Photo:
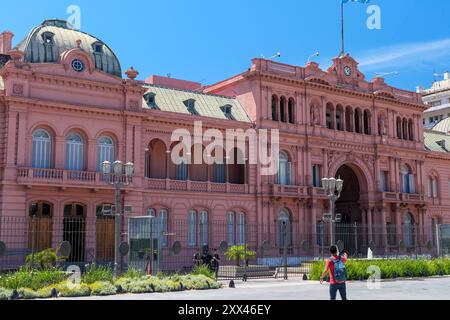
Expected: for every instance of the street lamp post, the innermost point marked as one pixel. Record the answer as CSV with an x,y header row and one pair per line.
x,y
114,173
333,189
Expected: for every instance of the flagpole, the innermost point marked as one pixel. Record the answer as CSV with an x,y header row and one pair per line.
x,y
342,28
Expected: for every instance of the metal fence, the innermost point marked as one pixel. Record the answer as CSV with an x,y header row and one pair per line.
x,y
443,240
246,250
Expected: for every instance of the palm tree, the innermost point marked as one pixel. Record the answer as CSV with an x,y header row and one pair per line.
x,y
238,253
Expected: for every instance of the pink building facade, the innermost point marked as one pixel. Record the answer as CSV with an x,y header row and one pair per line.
x,y
65,108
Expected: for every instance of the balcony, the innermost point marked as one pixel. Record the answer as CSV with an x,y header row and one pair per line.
x,y
289,191
30,176
195,186
390,196
412,198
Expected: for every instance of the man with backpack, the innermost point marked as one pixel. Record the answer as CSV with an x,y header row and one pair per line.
x,y
335,267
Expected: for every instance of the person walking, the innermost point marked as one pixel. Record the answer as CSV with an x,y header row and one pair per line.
x,y
197,260
335,267
215,263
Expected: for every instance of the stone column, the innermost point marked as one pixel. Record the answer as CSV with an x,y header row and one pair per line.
x,y
369,224
382,211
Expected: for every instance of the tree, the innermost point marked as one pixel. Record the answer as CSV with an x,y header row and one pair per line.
x,y
238,253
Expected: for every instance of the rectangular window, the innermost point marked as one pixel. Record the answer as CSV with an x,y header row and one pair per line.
x,y
316,176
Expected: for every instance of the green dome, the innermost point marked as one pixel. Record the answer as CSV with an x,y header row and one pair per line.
x,y
46,42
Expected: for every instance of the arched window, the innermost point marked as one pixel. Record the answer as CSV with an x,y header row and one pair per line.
x,y
408,230
291,108
407,180
182,172
366,122
283,109
74,152
106,151
203,228
284,229
274,108
42,150
329,116
192,234
236,228
432,187
339,118
399,128
284,169
198,228
358,121
74,230
411,130
405,129
220,172
349,118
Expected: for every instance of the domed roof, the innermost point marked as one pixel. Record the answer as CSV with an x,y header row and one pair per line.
x,y
443,126
46,42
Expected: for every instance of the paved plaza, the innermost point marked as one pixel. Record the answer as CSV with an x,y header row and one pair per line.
x,y
295,289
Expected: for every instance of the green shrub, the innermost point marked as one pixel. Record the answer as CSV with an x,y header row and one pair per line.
x,y
96,273
102,288
76,290
5,294
133,273
25,278
27,293
45,259
174,283
199,282
203,270
136,285
401,268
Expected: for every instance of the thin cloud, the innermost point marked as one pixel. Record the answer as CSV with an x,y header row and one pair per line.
x,y
405,55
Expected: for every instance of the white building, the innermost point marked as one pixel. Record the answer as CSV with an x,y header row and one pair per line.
x,y
438,98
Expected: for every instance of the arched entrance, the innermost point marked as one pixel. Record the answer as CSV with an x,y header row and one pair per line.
x,y
350,205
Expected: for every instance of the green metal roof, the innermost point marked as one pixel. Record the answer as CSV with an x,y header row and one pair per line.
x,y
65,38
432,139
207,105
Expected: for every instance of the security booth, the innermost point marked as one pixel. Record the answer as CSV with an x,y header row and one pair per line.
x,y
145,245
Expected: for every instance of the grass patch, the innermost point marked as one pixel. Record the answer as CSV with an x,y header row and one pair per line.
x,y
102,288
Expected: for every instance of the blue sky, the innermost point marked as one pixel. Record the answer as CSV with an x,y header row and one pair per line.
x,y
209,40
